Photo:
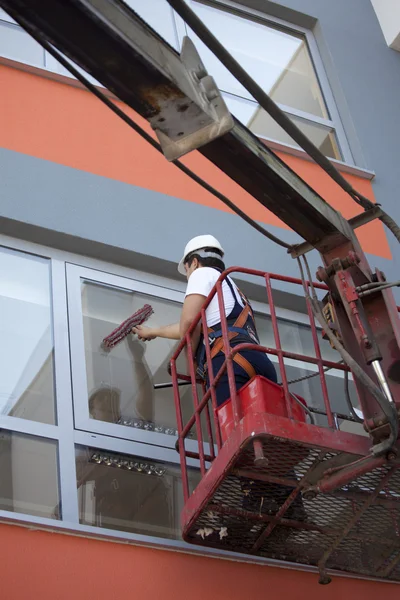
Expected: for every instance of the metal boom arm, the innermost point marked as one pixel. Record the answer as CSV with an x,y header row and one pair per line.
x,y
112,43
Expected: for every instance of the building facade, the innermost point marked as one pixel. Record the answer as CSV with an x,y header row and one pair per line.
x,y
93,223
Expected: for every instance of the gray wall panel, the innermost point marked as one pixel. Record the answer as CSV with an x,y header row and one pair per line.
x,y
76,211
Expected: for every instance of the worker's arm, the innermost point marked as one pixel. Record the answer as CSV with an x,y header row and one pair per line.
x,y
170,332
191,307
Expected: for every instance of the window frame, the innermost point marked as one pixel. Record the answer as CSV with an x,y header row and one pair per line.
x,y
68,436
334,124
79,378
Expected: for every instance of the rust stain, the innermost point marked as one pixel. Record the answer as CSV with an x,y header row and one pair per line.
x,y
154,97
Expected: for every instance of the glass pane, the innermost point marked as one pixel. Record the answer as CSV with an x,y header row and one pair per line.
x,y
27,348
16,44
156,13
296,337
5,16
120,381
264,126
159,16
29,475
278,60
128,493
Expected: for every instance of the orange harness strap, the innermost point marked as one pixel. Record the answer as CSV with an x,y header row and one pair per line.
x,y
218,345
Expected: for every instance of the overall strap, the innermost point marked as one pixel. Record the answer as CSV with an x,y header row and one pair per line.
x,y
236,320
234,330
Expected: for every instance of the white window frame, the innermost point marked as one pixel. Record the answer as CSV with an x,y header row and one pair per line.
x,y
334,123
66,433
83,421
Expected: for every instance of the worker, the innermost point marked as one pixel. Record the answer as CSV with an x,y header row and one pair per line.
x,y
202,263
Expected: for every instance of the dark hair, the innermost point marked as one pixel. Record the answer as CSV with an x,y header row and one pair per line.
x,y
212,262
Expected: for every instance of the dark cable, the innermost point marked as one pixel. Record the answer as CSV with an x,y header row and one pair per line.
x,y
346,390
273,109
120,113
304,407
348,399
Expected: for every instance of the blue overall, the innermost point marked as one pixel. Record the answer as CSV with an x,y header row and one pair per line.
x,y
259,361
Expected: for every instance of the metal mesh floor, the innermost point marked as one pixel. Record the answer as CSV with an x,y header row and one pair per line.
x,y
343,530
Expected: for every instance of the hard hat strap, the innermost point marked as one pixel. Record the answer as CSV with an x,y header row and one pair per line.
x,y
203,254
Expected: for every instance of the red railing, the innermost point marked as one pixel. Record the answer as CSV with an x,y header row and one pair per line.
x,y
202,405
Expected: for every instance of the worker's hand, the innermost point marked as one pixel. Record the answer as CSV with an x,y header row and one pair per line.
x,y
145,334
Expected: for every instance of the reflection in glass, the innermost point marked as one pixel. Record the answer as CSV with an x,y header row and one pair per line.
x,y
29,475
159,15
264,126
120,381
278,60
18,45
129,493
27,348
297,337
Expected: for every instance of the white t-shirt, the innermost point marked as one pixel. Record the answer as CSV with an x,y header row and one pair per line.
x,y
201,281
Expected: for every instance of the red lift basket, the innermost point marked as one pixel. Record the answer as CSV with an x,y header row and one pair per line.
x,y
259,395
274,484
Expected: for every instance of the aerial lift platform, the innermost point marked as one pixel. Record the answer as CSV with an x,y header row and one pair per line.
x,y
274,482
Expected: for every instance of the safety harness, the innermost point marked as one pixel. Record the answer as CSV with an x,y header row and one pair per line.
x,y
241,329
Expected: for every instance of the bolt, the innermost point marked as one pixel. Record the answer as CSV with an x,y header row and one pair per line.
x,y
212,95
309,494
391,455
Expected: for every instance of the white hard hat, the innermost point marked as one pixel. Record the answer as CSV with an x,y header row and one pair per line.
x,y
197,243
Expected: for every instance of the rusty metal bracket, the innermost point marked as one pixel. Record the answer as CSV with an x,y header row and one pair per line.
x,y
211,119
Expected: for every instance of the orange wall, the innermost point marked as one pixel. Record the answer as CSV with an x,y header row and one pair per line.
x,y
39,565
67,125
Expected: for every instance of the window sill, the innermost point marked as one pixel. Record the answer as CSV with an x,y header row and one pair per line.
x,y
341,166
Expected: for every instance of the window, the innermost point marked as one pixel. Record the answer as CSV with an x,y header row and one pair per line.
x,y
18,45
280,61
297,337
29,475
115,391
283,59
129,493
97,428
27,351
